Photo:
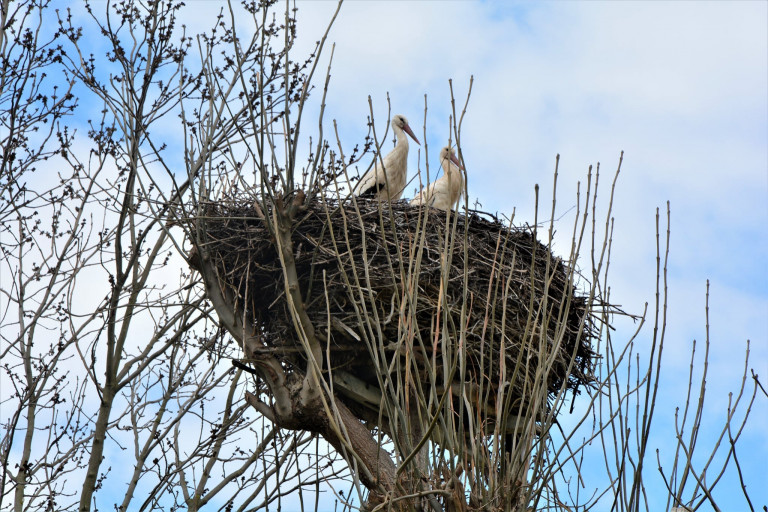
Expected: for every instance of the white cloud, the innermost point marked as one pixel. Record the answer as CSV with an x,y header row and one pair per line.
x,y
682,87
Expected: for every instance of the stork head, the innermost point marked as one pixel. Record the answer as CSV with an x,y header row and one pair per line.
x,y
447,153
399,121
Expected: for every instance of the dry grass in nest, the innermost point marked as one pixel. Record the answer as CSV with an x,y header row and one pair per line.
x,y
514,287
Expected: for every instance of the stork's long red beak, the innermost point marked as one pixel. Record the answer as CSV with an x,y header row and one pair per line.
x,y
407,129
455,159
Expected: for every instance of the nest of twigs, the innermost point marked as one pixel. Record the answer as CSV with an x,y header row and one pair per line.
x,y
518,298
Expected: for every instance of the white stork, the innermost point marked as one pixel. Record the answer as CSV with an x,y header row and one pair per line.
x,y
445,192
388,181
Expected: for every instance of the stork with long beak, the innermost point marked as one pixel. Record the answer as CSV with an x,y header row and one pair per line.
x,y
387,181
445,192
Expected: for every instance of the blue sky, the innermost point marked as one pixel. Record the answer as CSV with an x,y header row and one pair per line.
x,y
681,87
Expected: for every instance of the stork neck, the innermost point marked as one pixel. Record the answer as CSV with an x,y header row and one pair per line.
x,y
402,138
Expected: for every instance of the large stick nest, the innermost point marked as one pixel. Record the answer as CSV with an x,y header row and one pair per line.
x,y
363,257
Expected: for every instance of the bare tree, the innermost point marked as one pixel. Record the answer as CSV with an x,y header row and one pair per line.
x,y
185,291
109,349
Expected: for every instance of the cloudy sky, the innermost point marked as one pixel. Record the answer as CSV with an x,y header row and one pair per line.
x,y
680,87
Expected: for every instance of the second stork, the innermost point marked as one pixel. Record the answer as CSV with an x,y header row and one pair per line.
x,y
446,191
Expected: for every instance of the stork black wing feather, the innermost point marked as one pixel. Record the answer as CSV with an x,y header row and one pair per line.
x,y
372,191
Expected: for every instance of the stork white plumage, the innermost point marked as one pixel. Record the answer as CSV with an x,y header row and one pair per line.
x,y
388,181
445,192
